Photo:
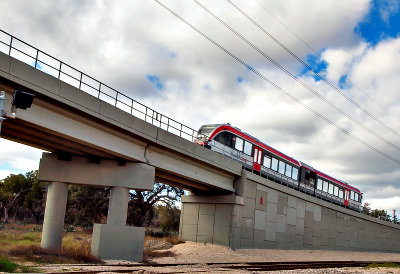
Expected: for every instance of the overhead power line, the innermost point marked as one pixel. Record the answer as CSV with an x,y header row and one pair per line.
x,y
276,86
319,55
316,93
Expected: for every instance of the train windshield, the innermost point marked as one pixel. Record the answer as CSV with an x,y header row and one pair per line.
x,y
204,131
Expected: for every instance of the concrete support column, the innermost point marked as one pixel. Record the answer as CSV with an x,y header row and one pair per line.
x,y
118,206
53,225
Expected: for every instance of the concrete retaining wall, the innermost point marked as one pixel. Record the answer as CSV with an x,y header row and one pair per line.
x,y
264,214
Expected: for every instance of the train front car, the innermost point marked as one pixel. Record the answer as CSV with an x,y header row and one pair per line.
x,y
274,165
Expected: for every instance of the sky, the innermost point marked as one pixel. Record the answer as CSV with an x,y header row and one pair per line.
x,y
140,49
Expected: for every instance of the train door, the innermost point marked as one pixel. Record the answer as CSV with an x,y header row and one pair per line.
x,y
346,197
257,155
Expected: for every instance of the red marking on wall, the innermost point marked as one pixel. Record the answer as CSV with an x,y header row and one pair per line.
x,y
261,201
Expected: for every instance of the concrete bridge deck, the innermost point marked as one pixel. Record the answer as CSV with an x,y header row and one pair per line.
x,y
97,143
64,119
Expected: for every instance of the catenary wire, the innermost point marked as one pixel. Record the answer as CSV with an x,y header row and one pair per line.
x,y
320,56
314,71
316,93
276,86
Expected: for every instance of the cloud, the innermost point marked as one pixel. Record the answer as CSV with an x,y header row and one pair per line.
x,y
144,52
17,158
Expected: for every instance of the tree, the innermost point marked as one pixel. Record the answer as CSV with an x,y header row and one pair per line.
x,y
367,209
141,204
35,199
167,217
13,188
86,204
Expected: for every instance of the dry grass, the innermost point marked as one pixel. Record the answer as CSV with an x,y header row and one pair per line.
x,y
158,247
23,242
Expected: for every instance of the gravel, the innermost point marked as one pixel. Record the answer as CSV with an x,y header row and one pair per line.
x,y
201,254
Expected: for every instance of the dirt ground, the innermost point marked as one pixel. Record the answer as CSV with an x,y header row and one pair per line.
x,y
200,254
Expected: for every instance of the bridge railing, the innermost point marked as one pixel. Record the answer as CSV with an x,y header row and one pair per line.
x,y
44,62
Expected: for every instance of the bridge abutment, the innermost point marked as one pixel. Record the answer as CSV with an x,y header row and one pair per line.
x,y
113,240
265,214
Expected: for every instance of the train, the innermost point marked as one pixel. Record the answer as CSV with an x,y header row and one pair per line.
x,y
274,165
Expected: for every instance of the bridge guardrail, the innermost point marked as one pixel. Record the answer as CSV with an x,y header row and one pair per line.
x,y
46,63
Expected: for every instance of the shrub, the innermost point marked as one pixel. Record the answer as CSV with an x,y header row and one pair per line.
x,y
7,266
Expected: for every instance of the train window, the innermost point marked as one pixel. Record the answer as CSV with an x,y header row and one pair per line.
x,y
325,187
247,147
295,173
335,191
274,164
267,161
352,195
319,184
239,144
341,193
224,138
330,189
288,171
281,167
356,197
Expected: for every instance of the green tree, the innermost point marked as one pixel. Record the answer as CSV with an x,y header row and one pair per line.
x,y
35,199
367,209
13,188
168,218
141,205
86,205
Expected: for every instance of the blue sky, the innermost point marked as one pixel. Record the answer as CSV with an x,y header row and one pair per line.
x,y
382,22
159,62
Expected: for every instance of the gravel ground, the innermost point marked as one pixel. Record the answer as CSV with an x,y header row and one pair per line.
x,y
207,253
200,254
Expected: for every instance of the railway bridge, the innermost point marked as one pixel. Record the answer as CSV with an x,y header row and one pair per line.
x,y
98,136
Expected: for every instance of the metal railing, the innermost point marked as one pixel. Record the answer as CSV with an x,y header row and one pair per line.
x,y
44,62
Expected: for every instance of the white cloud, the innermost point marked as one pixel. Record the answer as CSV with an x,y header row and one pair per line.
x,y
18,158
122,42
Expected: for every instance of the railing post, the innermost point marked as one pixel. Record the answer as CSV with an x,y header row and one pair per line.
x,y
180,132
59,71
37,56
80,81
99,90
9,51
168,125
132,106
116,98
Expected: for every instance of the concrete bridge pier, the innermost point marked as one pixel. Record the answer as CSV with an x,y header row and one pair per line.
x,y
113,240
53,225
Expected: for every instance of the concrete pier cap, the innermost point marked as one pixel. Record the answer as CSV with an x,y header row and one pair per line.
x,y
113,240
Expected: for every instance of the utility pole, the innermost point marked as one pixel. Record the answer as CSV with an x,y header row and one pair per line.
x,y
394,216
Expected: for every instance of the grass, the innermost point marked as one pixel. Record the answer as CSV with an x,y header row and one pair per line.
x,y
7,266
389,265
23,243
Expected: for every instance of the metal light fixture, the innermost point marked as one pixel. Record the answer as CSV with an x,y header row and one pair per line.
x,y
22,99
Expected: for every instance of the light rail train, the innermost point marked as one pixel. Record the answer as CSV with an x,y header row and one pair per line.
x,y
274,165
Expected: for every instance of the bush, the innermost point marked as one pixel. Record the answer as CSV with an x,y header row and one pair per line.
x,y
7,266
